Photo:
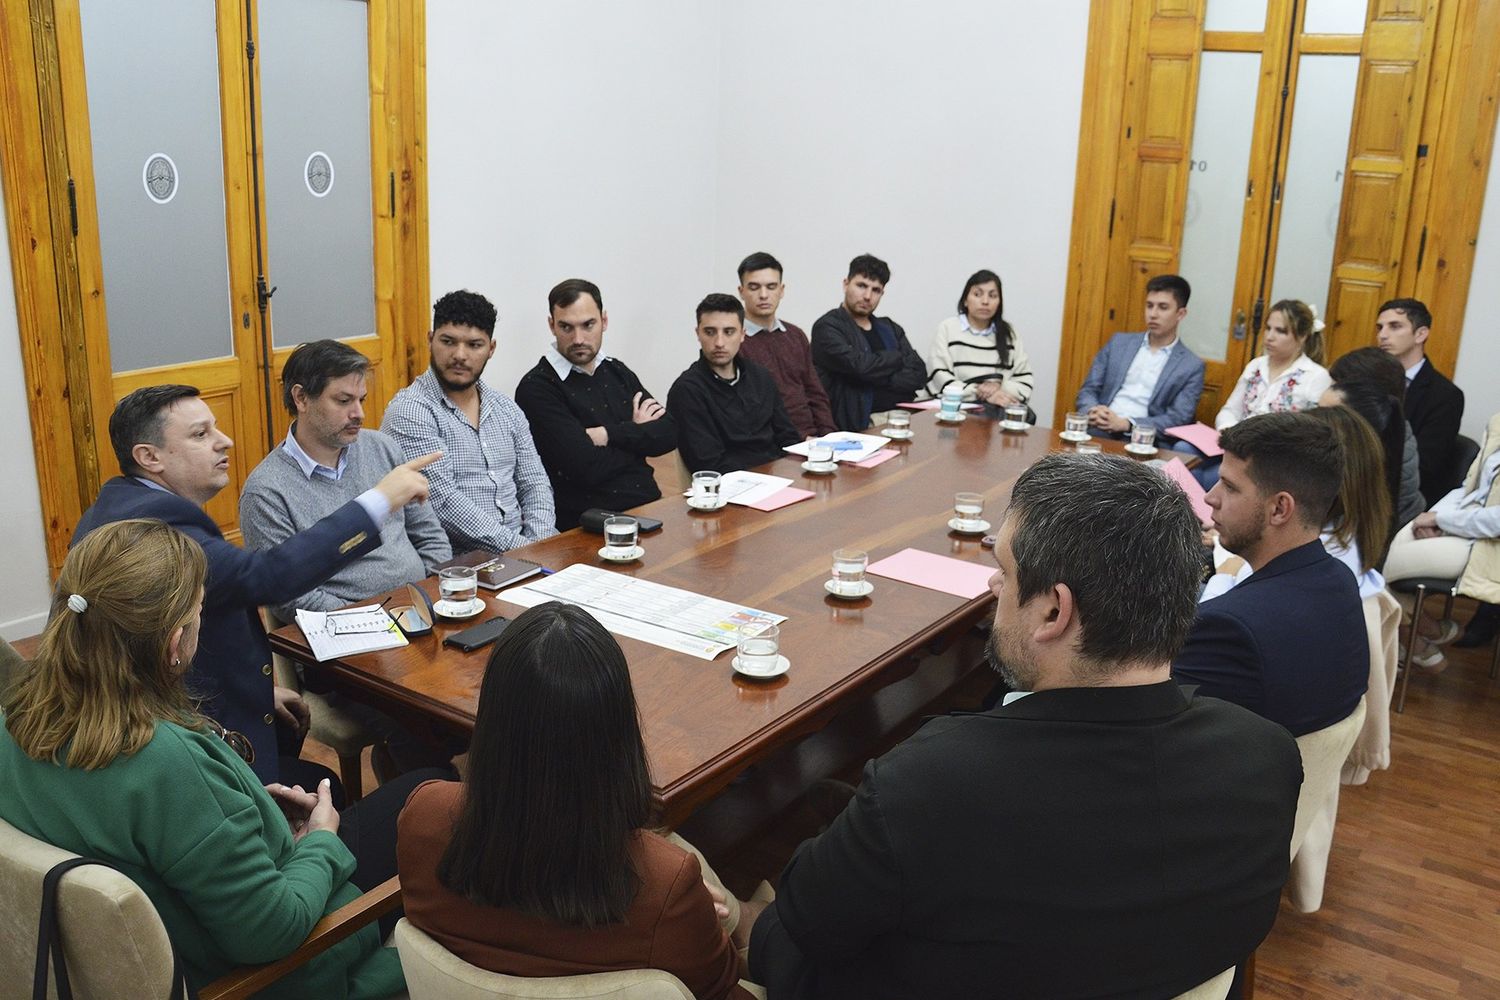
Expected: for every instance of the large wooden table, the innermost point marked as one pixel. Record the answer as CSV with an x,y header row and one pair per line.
x,y
703,723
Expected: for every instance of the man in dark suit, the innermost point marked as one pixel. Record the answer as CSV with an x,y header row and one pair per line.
x,y
1434,405
1102,833
865,361
174,459
1149,379
1288,643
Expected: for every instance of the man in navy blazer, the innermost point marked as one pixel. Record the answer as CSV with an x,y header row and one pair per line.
x,y
174,459
1288,642
1434,405
1149,379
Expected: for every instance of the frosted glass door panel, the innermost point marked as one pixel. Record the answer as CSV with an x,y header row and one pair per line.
x,y
1235,15
152,73
1222,127
1314,184
315,117
1335,17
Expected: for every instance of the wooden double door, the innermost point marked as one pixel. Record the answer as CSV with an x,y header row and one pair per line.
x,y
1282,149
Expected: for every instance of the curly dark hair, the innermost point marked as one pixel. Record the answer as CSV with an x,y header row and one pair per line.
x,y
464,308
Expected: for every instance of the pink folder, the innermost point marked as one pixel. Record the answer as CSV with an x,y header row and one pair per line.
x,y
781,498
1200,436
1179,474
942,573
884,455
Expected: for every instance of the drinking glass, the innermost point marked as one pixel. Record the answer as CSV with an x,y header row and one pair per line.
x,y
706,485
952,399
758,646
619,535
1089,447
1076,423
459,584
849,571
819,452
1015,414
1143,437
898,420
967,507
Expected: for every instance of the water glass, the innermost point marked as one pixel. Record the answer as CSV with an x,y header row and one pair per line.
x,y
1076,423
1089,447
1143,437
1015,414
758,647
706,485
849,571
898,420
968,507
952,399
620,533
459,584
819,451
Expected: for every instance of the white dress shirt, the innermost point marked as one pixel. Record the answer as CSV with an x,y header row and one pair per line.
x,y
1133,401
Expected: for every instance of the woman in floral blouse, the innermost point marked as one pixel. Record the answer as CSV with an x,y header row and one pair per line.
x,y
1289,375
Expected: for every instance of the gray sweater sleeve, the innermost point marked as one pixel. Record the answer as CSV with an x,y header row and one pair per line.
x,y
1411,501
266,520
422,525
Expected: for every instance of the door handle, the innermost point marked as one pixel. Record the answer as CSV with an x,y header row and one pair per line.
x,y
1239,324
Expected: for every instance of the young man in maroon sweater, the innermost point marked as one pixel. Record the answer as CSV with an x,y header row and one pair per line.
x,y
781,347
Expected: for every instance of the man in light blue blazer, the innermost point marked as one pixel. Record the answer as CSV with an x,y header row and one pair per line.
x,y
1148,379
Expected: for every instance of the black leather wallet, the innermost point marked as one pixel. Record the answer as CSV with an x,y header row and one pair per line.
x,y
593,520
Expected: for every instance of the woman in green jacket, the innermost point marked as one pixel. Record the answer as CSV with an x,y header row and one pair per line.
x,y
104,754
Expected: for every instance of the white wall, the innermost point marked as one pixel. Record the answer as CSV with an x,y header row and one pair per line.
x,y
25,591
650,147
1478,370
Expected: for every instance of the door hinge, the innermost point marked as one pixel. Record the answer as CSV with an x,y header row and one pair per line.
x,y
1111,234
1422,248
73,206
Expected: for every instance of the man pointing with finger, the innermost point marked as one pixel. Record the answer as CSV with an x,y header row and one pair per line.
x,y
174,459
593,422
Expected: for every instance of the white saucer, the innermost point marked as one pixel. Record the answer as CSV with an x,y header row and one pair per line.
x,y
957,418
706,503
897,435
1140,449
865,589
458,610
1073,436
820,467
1014,425
976,528
630,555
782,666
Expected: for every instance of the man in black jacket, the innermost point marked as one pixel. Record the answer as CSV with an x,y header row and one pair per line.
x,y
864,360
593,422
1101,833
1434,405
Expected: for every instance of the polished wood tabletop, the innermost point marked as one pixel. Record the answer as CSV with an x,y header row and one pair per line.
x,y
703,723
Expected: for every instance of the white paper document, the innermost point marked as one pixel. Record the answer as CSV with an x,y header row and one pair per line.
x,y
867,445
748,487
663,616
333,634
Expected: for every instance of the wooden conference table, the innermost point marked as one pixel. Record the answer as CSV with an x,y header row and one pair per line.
x,y
703,723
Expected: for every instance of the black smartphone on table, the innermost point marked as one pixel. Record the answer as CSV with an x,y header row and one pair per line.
x,y
478,636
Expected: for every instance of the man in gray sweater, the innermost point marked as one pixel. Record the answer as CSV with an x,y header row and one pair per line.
x,y
327,460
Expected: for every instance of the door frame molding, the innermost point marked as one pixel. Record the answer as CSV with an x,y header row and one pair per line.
x,y
1457,124
59,298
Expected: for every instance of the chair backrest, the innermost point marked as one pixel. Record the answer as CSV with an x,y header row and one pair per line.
x,y
1216,988
435,973
1465,450
114,942
1323,754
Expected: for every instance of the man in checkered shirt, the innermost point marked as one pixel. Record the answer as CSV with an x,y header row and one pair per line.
x,y
489,489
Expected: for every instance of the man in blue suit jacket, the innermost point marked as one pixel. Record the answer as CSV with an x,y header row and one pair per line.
x,y
1149,379
174,460
1288,642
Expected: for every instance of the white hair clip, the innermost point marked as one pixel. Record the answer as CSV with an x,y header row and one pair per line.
x,y
77,603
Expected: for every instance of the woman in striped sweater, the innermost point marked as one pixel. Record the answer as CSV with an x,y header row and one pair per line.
x,y
979,349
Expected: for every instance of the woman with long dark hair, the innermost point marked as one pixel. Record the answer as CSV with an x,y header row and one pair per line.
x,y
540,863
1382,405
979,350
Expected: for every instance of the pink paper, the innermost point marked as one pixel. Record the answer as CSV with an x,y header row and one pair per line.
x,y
941,573
1179,474
1200,436
884,455
933,404
781,498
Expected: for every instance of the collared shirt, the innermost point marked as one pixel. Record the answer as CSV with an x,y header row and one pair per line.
x,y
1133,401
989,331
563,366
752,327
1411,372
151,483
489,489
372,500
1011,696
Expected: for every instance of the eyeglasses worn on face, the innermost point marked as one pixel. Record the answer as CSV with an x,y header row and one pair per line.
x,y
238,742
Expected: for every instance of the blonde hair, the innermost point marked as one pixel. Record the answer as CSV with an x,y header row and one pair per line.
x,y
1362,514
1304,326
102,677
